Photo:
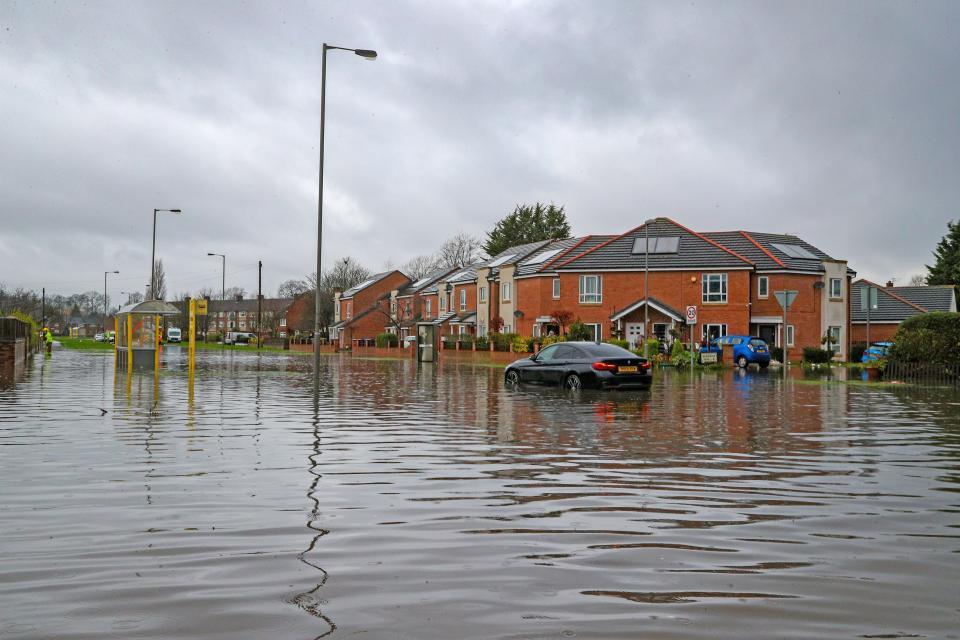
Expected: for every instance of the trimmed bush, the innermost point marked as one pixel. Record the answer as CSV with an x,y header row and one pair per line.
x,y
482,343
928,337
213,336
776,353
856,351
623,344
816,356
546,341
522,344
578,331
387,340
502,341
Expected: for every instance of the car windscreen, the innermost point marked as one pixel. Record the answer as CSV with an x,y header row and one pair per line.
x,y
604,350
757,342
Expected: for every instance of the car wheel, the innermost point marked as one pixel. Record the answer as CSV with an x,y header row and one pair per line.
x,y
742,362
573,381
512,377
764,365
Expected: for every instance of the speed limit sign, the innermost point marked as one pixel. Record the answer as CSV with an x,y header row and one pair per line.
x,y
692,314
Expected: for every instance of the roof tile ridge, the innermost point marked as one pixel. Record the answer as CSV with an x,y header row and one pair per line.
x,y
565,253
602,244
762,248
706,239
894,296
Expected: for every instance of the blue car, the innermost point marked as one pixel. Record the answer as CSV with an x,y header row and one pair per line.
x,y
746,350
876,351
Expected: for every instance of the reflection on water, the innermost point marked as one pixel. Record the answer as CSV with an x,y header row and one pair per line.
x,y
436,503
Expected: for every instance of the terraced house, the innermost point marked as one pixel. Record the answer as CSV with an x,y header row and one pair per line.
x,y
893,306
361,312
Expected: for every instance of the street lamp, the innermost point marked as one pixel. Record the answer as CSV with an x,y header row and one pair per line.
x,y
105,298
367,54
646,282
153,252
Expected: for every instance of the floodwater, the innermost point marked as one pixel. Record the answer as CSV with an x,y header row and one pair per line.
x,y
435,503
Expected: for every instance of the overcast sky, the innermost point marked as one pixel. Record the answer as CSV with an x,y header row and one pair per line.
x,y
837,121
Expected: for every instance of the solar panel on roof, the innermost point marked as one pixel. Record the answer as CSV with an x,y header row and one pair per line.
x,y
421,282
543,256
501,260
657,244
794,251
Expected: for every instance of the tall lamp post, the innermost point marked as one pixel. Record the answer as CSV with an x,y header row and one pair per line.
x,y
153,252
105,298
646,282
368,54
223,283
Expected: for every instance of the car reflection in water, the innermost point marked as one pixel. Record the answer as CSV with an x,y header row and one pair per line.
x,y
576,365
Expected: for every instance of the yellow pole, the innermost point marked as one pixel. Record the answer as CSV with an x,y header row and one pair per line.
x,y
116,335
129,341
192,344
156,345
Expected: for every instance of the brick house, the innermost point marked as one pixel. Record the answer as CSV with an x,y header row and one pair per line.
x,y
239,315
496,287
362,312
894,305
457,301
417,301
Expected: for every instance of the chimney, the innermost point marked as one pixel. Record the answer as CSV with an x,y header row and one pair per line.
x,y
889,283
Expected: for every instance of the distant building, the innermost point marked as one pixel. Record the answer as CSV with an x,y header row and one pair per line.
x,y
894,305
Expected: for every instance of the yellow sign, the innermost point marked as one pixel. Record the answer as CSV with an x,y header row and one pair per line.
x,y
202,307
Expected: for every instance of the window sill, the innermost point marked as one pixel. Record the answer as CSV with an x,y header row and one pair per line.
x,y
591,303
714,303
832,299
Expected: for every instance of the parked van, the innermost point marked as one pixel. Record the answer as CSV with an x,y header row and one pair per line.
x,y
173,334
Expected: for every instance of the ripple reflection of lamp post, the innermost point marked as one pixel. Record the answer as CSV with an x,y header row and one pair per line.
x,y
369,54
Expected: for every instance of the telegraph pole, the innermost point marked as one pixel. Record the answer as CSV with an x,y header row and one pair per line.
x,y
259,298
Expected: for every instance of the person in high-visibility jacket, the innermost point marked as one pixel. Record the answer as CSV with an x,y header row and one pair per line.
x,y
48,339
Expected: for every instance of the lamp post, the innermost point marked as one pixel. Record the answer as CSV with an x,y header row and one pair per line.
x,y
223,277
646,282
105,298
153,251
368,54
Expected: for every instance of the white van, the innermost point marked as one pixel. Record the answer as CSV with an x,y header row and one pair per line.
x,y
173,334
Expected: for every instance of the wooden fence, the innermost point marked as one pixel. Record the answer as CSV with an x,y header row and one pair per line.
x,y
923,373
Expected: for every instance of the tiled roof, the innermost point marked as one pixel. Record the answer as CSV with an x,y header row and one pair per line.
x,y
694,251
891,307
426,281
372,280
931,298
654,304
560,246
758,247
466,274
517,254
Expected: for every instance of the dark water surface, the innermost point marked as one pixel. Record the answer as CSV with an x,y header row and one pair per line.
x,y
435,503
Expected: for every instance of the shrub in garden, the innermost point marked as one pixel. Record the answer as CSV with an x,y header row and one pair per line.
x,y
814,355
213,336
387,340
776,353
679,354
482,343
578,331
502,341
546,341
929,337
856,351
522,344
623,344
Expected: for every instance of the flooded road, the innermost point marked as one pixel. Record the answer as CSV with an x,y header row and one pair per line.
x,y
436,503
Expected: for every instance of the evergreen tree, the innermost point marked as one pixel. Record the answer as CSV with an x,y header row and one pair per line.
x,y
946,270
527,224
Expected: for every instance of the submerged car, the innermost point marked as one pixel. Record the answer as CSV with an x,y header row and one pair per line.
x,y
576,365
876,351
746,350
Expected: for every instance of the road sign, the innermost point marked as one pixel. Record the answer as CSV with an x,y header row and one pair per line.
x,y
868,293
785,298
202,307
692,314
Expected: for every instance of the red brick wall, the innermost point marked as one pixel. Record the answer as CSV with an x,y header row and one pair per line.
x,y
471,288
805,312
878,332
674,288
534,296
366,297
434,306
300,314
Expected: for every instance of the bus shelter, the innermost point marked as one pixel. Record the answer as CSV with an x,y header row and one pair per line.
x,y
139,330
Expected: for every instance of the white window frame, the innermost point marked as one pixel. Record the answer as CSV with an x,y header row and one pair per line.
x,y
506,328
791,337
349,310
705,331
591,297
283,322
482,330
505,293
463,299
596,329
336,312
443,302
483,294
835,332
763,287
839,293
556,288
428,308
706,279
536,330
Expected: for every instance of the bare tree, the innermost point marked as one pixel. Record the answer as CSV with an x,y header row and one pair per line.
x,y
420,266
345,273
232,292
292,288
134,297
918,280
459,251
160,281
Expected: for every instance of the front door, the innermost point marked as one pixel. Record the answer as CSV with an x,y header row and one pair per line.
x,y
768,333
634,333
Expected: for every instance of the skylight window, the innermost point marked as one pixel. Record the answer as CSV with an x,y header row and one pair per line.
x,y
543,256
658,244
794,251
499,261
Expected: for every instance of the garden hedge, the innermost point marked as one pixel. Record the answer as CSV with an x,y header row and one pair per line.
x,y
928,337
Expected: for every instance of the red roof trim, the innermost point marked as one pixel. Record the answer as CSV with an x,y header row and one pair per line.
x,y
565,253
762,248
893,295
716,244
602,244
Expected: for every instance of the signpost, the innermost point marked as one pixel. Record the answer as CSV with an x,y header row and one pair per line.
x,y
785,298
868,301
192,333
201,306
691,322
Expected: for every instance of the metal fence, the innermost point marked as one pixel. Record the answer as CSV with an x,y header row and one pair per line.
x,y
923,373
13,329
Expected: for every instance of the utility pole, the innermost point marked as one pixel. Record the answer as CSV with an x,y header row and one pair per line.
x,y
43,308
259,298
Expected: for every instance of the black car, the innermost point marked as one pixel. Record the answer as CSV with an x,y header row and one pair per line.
x,y
578,365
